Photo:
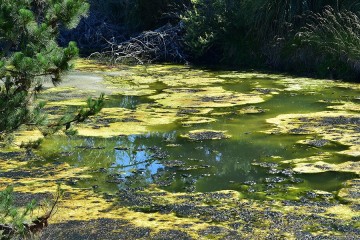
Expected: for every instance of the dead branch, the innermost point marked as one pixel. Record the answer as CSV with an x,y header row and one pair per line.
x,y
8,231
163,44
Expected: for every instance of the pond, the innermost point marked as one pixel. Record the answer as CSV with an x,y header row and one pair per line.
x,y
187,130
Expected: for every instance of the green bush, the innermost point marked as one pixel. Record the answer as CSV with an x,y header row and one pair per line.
x,y
336,37
31,56
304,36
12,219
140,15
221,29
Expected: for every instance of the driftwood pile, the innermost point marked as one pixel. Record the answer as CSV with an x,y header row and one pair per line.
x,y
164,44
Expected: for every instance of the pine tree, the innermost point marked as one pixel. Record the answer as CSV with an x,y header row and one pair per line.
x,y
30,55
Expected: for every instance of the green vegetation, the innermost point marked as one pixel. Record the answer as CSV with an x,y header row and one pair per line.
x,y
140,15
320,37
17,221
170,140
11,218
179,152
30,57
317,38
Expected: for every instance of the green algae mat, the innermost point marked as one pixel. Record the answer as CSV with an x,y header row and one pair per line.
x,y
188,153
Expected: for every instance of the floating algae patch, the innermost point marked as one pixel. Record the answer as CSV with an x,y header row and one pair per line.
x,y
30,179
251,110
41,179
92,66
265,91
27,136
305,84
351,191
184,112
75,93
249,75
112,129
179,76
68,102
350,194
347,85
319,157
341,127
57,90
196,215
190,81
137,217
87,207
10,165
315,142
352,151
130,85
232,216
205,134
197,120
117,121
112,122
210,97
347,106
318,167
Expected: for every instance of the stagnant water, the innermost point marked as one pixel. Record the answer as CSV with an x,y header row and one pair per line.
x,y
254,159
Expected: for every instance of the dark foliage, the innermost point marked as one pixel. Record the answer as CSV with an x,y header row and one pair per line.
x,y
309,37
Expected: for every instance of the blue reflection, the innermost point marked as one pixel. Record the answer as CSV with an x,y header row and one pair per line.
x,y
132,161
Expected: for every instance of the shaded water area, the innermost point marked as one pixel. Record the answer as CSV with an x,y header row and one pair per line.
x,y
217,149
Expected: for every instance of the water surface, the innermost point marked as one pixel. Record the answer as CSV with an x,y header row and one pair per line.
x,y
140,139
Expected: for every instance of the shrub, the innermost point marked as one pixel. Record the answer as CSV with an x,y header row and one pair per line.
x,y
221,29
335,36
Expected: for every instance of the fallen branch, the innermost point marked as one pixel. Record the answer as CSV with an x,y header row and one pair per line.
x,y
40,223
163,44
9,231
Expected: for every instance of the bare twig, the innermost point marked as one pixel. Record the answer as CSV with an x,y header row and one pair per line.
x,y
162,44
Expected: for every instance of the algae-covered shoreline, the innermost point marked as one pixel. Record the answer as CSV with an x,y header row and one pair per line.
x,y
183,153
